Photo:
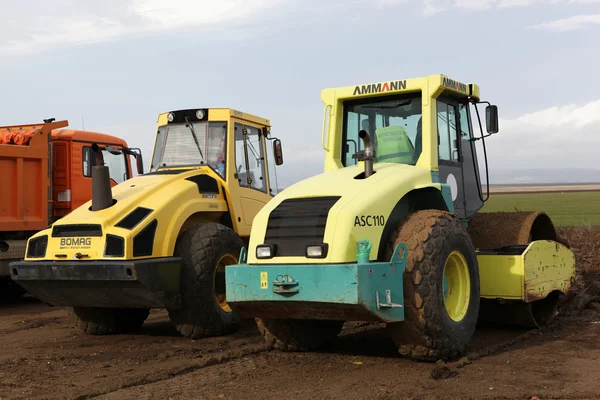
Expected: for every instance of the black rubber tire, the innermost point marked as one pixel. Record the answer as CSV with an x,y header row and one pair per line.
x,y
298,334
200,248
428,333
105,321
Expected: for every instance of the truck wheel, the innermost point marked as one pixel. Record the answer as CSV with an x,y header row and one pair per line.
x,y
205,250
298,334
104,321
441,287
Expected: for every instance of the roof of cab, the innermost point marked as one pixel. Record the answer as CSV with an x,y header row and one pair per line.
x,y
87,136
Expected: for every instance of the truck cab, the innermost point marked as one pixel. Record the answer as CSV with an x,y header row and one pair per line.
x,y
72,162
46,174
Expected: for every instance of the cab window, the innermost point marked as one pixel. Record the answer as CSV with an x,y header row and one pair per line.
x,y
249,157
117,164
447,133
394,126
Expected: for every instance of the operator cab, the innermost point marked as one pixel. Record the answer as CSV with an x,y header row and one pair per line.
x,y
394,123
234,146
205,137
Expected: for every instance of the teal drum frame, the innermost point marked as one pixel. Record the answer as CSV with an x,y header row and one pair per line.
x,y
361,291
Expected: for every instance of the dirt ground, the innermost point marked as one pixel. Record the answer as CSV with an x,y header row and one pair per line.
x,y
44,356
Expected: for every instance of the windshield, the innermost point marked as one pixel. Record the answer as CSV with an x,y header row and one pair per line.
x,y
176,146
394,126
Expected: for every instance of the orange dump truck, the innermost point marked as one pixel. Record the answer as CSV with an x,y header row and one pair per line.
x,y
45,173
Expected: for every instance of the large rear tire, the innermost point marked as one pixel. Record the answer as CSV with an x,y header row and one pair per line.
x,y
105,321
298,334
205,250
441,287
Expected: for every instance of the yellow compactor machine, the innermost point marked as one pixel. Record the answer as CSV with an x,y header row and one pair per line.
x,y
391,231
162,239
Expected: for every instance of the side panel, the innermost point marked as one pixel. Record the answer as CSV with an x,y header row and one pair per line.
x,y
545,266
24,187
501,276
549,266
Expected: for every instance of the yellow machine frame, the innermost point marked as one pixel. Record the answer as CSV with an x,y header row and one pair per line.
x,y
161,239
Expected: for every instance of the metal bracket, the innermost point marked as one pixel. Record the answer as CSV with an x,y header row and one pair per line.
x,y
388,299
285,284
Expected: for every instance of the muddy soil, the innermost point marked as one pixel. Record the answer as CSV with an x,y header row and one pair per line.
x,y
44,356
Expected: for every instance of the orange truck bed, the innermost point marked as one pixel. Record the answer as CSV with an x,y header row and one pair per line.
x,y
24,178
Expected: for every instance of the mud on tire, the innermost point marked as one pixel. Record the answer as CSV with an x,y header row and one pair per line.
x,y
428,333
298,334
202,248
104,321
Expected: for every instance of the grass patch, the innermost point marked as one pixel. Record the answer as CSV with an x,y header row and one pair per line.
x,y
564,208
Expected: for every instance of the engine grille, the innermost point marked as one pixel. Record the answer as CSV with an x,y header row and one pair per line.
x,y
76,230
295,223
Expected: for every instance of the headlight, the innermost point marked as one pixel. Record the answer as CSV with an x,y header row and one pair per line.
x,y
200,114
265,251
170,117
316,250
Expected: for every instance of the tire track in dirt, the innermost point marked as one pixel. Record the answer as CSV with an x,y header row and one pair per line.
x,y
230,358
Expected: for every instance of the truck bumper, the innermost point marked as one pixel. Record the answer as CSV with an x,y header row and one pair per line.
x,y
149,283
362,291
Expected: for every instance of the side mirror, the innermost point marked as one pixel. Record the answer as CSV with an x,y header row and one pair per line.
x,y
491,119
277,152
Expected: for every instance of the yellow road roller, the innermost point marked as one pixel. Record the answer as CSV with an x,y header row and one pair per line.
x,y
161,239
391,230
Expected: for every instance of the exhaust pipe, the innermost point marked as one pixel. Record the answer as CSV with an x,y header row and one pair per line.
x,y
368,154
101,190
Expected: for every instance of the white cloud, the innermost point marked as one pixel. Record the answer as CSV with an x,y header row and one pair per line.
x,y
557,137
432,7
569,24
67,22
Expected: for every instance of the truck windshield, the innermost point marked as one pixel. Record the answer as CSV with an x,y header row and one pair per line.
x,y
176,147
394,126
116,163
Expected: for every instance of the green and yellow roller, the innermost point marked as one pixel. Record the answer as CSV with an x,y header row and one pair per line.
x,y
391,231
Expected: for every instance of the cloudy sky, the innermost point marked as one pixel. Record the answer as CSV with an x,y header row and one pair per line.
x,y
119,63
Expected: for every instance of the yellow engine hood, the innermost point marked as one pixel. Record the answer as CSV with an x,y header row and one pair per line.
x,y
361,212
161,199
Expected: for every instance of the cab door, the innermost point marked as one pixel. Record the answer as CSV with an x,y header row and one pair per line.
x,y
450,158
250,172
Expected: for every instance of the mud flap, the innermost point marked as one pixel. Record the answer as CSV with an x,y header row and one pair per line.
x,y
363,291
149,283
